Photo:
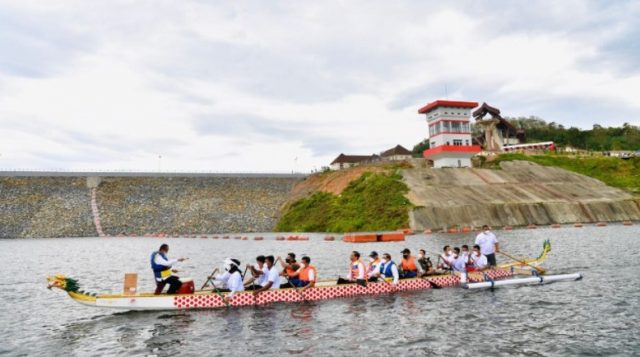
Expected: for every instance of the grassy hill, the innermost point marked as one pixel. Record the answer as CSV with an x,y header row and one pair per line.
x,y
372,202
613,171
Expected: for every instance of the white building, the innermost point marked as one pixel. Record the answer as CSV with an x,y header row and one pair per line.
x,y
450,142
398,153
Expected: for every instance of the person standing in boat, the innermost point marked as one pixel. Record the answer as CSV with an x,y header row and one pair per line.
x,y
408,266
488,243
273,279
357,271
163,271
307,275
289,268
231,278
388,269
260,273
372,269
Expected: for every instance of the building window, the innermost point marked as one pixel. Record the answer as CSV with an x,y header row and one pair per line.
x,y
457,142
466,142
433,144
459,163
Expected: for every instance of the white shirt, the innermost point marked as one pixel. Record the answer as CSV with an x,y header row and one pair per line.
x,y
447,259
274,277
264,278
459,264
166,262
234,283
465,256
487,242
479,261
360,271
222,280
394,272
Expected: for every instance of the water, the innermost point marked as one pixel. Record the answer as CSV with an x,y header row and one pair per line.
x,y
596,316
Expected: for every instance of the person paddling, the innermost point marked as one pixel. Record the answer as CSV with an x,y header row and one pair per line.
x,y
162,270
388,269
259,272
446,258
356,271
478,260
488,244
372,269
425,263
289,266
307,275
408,266
231,278
273,280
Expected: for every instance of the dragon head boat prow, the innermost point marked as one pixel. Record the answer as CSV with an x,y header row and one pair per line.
x,y
71,286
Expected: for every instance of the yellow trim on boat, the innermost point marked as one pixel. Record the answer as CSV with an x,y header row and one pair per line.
x,y
81,297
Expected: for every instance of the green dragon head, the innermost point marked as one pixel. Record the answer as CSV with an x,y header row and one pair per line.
x,y
62,282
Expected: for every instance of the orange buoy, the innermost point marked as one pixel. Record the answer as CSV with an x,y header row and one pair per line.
x,y
532,226
225,237
329,238
556,225
258,238
280,238
303,238
245,238
360,238
427,231
391,237
452,230
577,225
466,229
507,228
601,224
627,223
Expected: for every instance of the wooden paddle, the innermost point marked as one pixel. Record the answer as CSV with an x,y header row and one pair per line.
x,y
209,278
539,270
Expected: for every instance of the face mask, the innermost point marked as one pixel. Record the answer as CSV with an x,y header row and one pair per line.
x,y
486,232
384,260
371,260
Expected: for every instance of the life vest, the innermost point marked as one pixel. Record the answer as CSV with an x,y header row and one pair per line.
x,y
355,272
161,272
385,269
408,264
304,274
291,269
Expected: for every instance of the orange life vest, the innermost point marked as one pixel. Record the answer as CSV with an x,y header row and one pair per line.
x,y
290,270
409,264
304,273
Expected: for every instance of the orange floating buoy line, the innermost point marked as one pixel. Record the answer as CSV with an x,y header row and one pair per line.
x,y
532,226
508,228
577,225
627,223
601,224
329,238
556,225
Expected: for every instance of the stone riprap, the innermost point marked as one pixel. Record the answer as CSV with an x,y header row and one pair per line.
x,y
45,207
521,193
191,205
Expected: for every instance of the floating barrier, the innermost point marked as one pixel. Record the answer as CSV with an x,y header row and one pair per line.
x,y
577,225
258,238
521,281
532,226
627,223
508,228
466,229
360,238
390,237
303,238
280,238
407,231
452,230
427,231
225,237
601,224
329,238
556,225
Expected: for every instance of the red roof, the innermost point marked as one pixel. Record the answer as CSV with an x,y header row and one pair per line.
x,y
451,148
447,103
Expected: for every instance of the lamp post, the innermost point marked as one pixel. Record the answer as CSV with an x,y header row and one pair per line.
x,y
159,163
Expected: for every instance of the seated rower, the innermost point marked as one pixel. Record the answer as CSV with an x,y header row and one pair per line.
x,y
162,270
273,279
388,269
425,263
459,264
307,275
445,259
478,260
231,278
408,267
289,266
259,273
372,269
356,271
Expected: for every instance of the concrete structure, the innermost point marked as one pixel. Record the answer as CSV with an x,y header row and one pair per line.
x,y
497,132
449,133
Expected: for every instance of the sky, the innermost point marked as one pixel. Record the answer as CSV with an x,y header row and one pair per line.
x,y
281,86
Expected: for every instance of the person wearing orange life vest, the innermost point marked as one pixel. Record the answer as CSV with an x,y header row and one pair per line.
x,y
289,267
356,273
307,275
408,266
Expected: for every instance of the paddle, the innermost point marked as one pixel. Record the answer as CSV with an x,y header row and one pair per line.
x,y
296,289
209,278
539,270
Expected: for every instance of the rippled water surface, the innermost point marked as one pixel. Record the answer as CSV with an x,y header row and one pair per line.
x,y
599,315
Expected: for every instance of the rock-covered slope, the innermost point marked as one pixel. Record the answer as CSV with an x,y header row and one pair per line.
x,y
520,193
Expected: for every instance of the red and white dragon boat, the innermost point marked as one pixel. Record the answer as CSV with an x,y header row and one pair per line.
x,y
324,290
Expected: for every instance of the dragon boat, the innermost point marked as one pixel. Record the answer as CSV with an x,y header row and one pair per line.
x,y
323,290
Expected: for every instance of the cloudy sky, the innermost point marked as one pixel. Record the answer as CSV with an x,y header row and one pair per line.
x,y
270,86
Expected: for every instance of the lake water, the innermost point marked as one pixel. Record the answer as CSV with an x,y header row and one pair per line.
x,y
599,315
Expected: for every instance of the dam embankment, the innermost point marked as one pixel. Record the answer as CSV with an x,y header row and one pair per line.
x,y
519,193
85,204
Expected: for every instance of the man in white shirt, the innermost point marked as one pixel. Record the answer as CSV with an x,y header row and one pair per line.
x,y
260,273
163,270
478,260
374,263
446,258
459,264
273,279
488,245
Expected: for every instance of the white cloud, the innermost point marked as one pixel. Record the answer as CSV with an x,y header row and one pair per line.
x,y
249,86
